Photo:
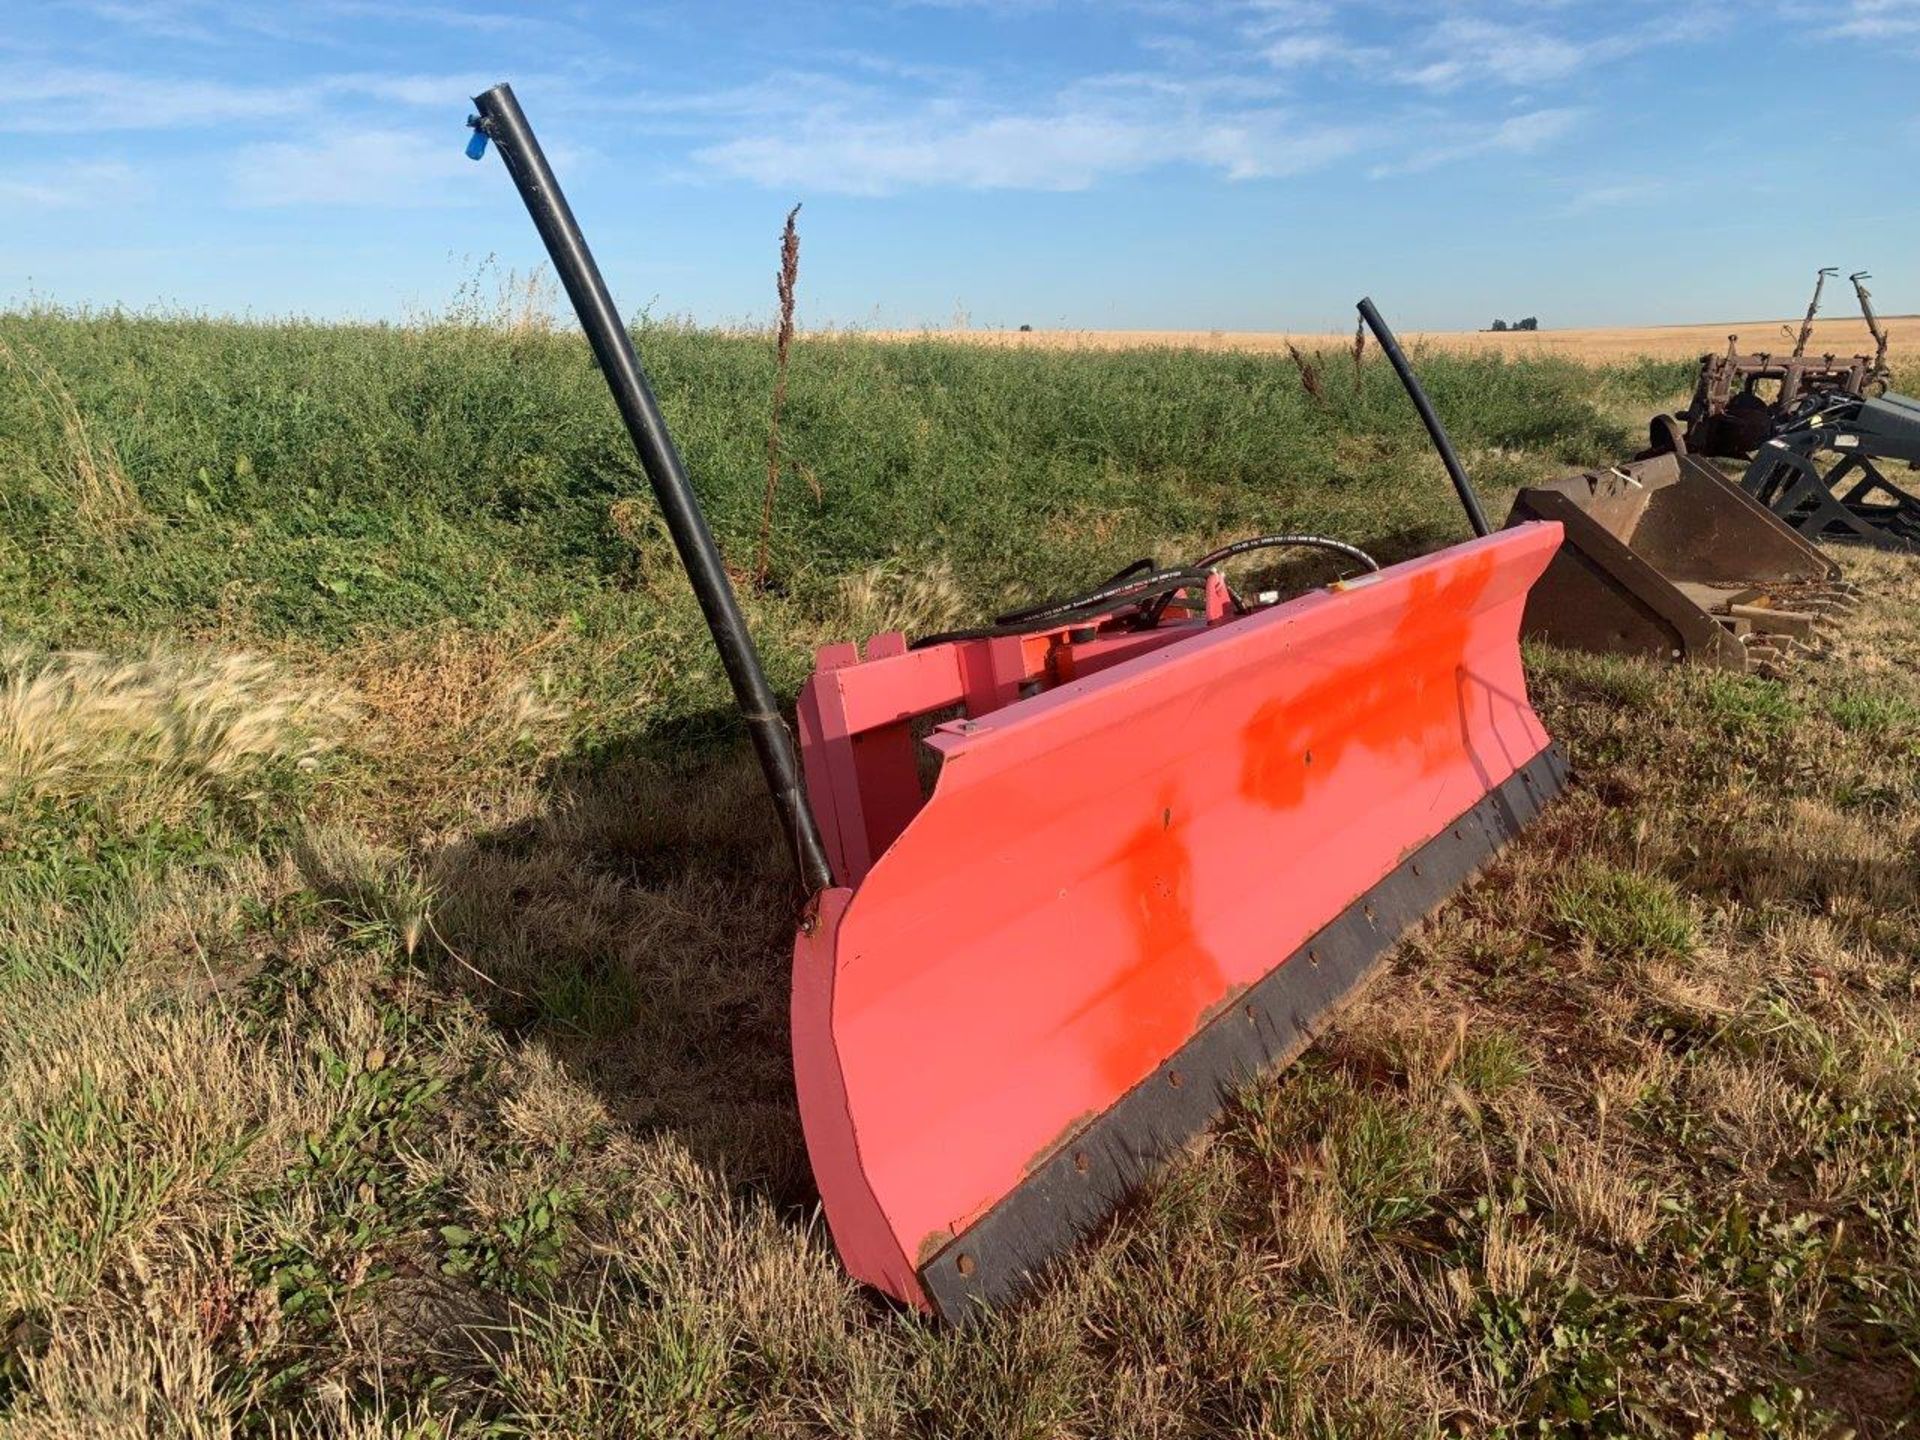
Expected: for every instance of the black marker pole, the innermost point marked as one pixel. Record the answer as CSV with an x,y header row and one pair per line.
x,y
1476,517
501,121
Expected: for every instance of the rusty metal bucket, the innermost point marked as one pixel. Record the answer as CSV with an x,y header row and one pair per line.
x,y
1665,557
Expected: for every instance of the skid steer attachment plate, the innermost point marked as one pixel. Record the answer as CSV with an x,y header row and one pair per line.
x,y
1854,499
1128,891
1664,557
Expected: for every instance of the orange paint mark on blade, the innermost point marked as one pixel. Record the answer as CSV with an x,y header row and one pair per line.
x,y
1152,1006
1374,702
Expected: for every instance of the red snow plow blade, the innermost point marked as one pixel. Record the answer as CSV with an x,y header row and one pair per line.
x,y
1071,877
1129,893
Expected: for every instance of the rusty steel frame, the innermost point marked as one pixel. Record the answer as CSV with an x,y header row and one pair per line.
x,y
1728,416
1878,331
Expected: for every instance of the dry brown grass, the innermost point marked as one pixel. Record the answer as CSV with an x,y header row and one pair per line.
x,y
156,730
443,713
600,1004
917,599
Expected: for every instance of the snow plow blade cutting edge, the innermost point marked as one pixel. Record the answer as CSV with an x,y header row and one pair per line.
x,y
1130,893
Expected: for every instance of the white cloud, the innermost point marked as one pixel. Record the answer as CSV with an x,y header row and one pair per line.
x,y
1004,7
1239,119
63,99
429,91
1876,20
392,168
1059,152
1468,49
1519,135
315,22
1267,17
73,187
878,158
1615,196
1234,97
1071,147
1292,51
74,100
1250,154
1475,44
162,19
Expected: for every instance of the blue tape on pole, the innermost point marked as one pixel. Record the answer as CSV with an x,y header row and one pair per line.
x,y
477,146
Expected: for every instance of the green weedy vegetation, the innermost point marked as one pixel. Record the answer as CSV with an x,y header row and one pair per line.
x,y
393,937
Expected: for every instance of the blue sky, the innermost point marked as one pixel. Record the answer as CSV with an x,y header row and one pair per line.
x,y
1241,164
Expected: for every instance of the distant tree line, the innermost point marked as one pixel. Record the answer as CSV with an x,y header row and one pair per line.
x,y
1532,322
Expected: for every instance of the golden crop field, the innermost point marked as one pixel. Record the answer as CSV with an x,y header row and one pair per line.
x,y
1844,335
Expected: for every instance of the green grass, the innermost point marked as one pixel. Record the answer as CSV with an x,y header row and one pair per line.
x,y
1623,914
321,481
393,937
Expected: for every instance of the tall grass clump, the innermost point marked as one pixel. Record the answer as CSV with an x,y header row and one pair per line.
x,y
323,481
784,282
81,465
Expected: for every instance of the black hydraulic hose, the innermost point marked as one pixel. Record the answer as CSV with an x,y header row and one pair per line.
x,y
1161,582
501,121
1114,591
1059,615
1283,542
1469,501
1821,409
1151,592
1266,542
1144,565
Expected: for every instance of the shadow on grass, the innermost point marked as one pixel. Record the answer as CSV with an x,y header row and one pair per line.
x,y
1796,871
636,923
638,927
